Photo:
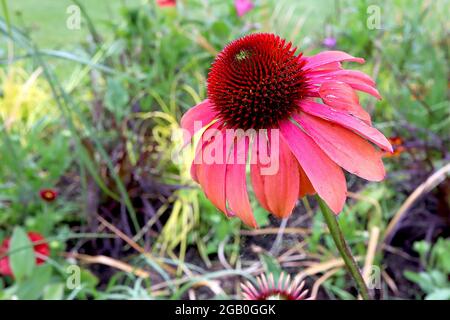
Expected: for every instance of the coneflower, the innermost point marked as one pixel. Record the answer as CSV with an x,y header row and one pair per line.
x,y
268,288
258,82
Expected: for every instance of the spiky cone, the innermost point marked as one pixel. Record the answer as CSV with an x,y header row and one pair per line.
x,y
268,288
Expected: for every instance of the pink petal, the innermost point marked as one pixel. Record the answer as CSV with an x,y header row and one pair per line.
x,y
324,69
341,96
212,176
356,79
278,192
327,57
255,168
364,88
206,138
326,176
347,121
282,189
344,76
344,147
203,113
305,185
236,186
194,165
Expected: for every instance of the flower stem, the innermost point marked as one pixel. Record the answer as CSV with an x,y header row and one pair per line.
x,y
343,249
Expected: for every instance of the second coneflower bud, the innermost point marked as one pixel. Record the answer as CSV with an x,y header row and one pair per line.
x,y
267,288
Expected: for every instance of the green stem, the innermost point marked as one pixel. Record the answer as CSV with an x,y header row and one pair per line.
x,y
343,249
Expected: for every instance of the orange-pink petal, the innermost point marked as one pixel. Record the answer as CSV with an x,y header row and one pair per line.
x,y
255,170
212,176
203,113
306,188
347,121
341,96
278,192
325,175
206,138
327,57
356,79
236,185
344,147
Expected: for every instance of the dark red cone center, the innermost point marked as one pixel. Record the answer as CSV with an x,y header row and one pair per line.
x,y
256,81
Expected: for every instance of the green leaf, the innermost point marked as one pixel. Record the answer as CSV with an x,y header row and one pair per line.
x,y
261,216
22,258
116,98
34,286
423,279
342,294
439,294
271,265
54,291
88,278
440,256
422,248
220,29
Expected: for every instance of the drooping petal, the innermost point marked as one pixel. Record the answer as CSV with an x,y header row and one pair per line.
x,y
277,188
340,96
212,174
236,184
347,76
196,118
206,138
325,175
327,57
356,79
306,188
347,121
323,69
212,179
357,85
260,146
344,147
282,189
197,159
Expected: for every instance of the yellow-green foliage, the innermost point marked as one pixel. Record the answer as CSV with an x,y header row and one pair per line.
x,y
25,97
